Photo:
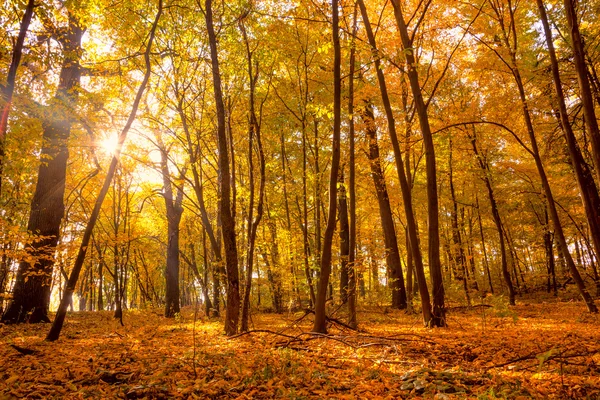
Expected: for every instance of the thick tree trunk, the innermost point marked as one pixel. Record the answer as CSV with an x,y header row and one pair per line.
x,y
225,210
31,296
173,205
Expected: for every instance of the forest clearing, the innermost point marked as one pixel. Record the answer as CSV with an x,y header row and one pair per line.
x,y
535,350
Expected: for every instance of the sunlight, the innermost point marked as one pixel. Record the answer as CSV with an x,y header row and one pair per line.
x,y
108,145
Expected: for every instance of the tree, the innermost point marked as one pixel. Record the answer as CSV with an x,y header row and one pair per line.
x,y
31,296
435,267
225,211
320,312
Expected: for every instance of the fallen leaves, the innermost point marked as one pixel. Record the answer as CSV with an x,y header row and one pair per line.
x,y
556,356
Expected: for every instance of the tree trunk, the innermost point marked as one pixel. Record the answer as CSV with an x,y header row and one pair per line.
x,y
173,205
411,224
392,254
254,132
485,169
225,210
320,315
31,296
61,314
585,180
344,238
435,267
582,79
352,321
558,230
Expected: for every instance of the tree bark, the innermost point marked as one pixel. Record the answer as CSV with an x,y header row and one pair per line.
x,y
254,132
225,210
352,320
392,253
173,204
435,267
496,217
31,296
587,187
411,224
320,312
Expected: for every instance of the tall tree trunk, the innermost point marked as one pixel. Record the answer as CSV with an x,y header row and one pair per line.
x,y
435,267
585,180
31,296
254,132
225,210
483,248
352,321
457,252
411,224
558,230
320,312
392,254
306,243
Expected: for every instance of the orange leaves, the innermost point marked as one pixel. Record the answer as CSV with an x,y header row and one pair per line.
x,y
152,357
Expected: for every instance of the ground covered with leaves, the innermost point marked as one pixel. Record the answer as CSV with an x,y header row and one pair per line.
x,y
533,350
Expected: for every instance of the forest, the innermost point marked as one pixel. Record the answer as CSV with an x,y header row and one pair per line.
x,y
300,199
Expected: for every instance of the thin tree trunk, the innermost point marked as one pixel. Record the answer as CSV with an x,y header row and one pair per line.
x,y
352,320
558,230
392,254
253,228
435,267
57,325
320,312
225,209
585,180
485,169
411,224
344,233
583,81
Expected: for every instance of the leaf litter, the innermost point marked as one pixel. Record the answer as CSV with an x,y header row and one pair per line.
x,y
537,350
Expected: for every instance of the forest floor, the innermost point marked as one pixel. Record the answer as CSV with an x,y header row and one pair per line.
x,y
533,350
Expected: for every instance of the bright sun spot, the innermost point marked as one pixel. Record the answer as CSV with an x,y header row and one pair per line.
x,y
108,145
